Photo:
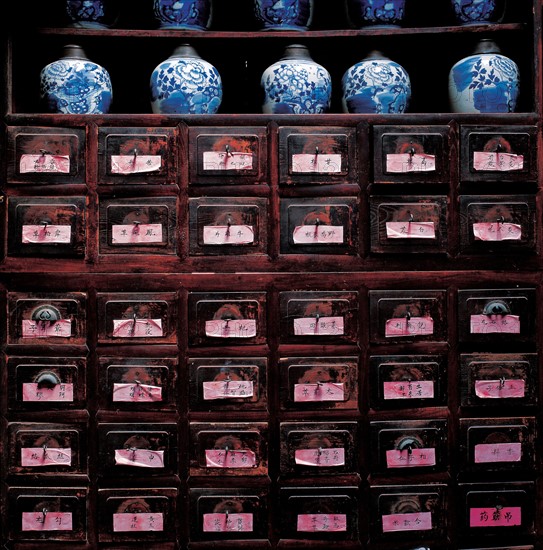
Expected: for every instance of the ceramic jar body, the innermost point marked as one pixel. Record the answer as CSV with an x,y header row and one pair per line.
x,y
75,85
175,14
185,84
92,14
284,14
476,12
389,13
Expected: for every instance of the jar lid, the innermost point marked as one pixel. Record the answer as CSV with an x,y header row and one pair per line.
x,y
185,50
486,45
296,51
74,51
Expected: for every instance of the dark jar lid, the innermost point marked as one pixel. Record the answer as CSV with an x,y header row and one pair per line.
x,y
297,51
73,51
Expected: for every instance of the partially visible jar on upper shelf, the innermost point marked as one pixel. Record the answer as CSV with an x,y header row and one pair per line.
x,y
92,14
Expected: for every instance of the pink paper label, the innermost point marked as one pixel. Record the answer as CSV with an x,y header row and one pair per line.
x,y
500,389
222,458
45,329
138,522
135,164
50,521
228,523
497,231
508,516
227,161
140,233
410,230
137,328
497,162
49,456
144,458
51,164
136,393
228,234
416,521
232,328
60,392
414,326
227,389
489,324
406,459
329,164
322,458
327,523
321,391
498,452
423,389
318,326
47,234
400,163
318,234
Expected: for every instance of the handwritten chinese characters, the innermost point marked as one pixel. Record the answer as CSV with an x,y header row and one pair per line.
x,y
231,328
318,234
410,458
135,164
44,164
317,163
500,389
401,163
47,521
228,523
228,389
143,458
138,522
497,162
45,456
228,234
327,523
60,392
46,234
497,452
230,458
410,230
137,328
320,391
418,389
322,458
227,160
497,231
506,516
136,233
136,393
319,326
414,521
490,324
409,326
46,329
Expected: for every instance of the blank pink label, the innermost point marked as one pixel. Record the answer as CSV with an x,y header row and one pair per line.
x,y
234,328
142,458
322,458
324,523
60,392
227,389
138,522
401,163
489,324
227,161
498,452
414,326
410,230
50,521
497,231
137,328
51,456
423,389
406,459
417,521
500,389
136,393
228,523
497,162
47,234
318,234
45,329
221,458
135,164
508,516
139,233
51,164
322,391
321,326
317,163
228,234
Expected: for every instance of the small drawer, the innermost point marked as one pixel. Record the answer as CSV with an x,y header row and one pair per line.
x,y
137,155
227,318
402,381
411,154
228,155
498,380
146,318
228,384
38,155
318,448
498,153
319,226
318,383
137,384
49,383
227,226
50,226
137,515
228,514
408,316
414,225
319,317
133,226
317,155
486,315
230,449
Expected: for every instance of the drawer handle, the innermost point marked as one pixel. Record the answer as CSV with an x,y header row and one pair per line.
x,y
408,443
47,379
496,307
46,313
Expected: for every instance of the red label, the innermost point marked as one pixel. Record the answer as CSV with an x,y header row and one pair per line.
x,y
135,164
47,234
500,389
414,326
139,233
498,452
137,328
45,329
318,326
318,234
50,456
508,516
60,392
233,328
322,458
321,523
409,390
406,459
497,231
136,393
490,324
227,389
227,161
228,523
142,458
419,521
410,230
44,164
497,162
229,234
400,163
320,391
222,458
318,163
47,521
138,522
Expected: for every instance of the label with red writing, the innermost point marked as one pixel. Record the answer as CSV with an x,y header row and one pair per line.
x,y
323,523
318,326
489,324
44,164
498,452
414,521
317,163
228,523
143,458
497,231
46,234
222,458
227,389
231,328
423,389
229,234
318,234
320,457
138,522
46,329
227,161
414,326
507,516
137,328
497,162
60,392
48,521
410,230
45,456
139,233
500,389
320,391
135,164
136,393
407,459
400,163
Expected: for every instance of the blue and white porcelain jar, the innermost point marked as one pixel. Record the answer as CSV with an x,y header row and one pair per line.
x,y
296,84
185,84
382,13
92,14
179,14
477,12
295,15
74,85
376,85
485,82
